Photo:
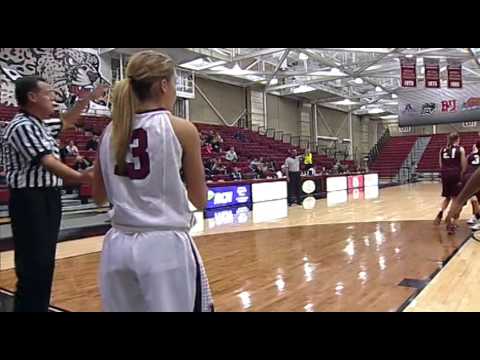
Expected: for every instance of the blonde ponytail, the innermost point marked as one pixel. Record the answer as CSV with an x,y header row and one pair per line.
x,y
123,113
143,69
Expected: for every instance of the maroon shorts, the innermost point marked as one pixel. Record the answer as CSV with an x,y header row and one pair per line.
x,y
451,185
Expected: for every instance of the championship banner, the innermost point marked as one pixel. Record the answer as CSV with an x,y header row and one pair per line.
x,y
454,71
432,73
408,71
439,106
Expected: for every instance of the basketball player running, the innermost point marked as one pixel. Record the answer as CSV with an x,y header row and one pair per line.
x,y
453,164
473,161
149,261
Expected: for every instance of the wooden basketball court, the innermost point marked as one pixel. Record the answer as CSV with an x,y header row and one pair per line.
x,y
370,253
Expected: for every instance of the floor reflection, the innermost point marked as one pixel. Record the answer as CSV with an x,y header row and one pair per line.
x,y
273,211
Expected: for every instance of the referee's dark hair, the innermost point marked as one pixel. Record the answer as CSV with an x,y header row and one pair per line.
x,y
25,85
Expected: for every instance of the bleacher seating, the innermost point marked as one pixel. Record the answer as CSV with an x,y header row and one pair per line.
x,y
429,160
392,156
256,146
253,146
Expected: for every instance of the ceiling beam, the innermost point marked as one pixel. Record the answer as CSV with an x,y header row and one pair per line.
x,y
210,53
474,56
251,55
272,76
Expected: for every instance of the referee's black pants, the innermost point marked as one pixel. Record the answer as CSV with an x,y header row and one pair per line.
x,y
294,190
35,216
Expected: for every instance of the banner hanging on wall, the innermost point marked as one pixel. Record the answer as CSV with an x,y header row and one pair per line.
x,y
454,71
439,106
408,71
432,73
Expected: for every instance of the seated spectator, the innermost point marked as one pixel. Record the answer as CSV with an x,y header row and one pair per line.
x,y
220,169
236,174
208,148
92,144
281,173
271,166
210,136
210,165
217,143
231,155
81,163
338,168
203,139
72,149
311,172
239,136
253,164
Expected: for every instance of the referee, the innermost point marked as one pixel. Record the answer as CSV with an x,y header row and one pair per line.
x,y
292,163
34,175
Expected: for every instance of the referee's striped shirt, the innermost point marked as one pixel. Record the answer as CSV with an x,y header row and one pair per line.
x,y
25,141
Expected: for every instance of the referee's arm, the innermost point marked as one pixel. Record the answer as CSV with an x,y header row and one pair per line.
x,y
31,145
70,118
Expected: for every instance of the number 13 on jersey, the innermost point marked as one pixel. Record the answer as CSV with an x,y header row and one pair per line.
x,y
138,152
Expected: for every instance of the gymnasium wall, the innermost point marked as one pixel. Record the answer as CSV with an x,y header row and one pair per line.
x,y
229,100
457,127
284,114
67,70
428,129
332,123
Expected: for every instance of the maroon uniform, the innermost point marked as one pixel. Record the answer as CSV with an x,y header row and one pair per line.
x,y
451,170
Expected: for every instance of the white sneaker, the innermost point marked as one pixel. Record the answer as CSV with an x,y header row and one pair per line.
x,y
475,227
472,220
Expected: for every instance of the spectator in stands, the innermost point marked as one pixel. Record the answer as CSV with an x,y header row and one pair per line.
x,y
338,168
210,136
92,144
231,155
280,173
214,167
203,139
217,143
239,136
81,163
220,169
236,174
271,166
253,164
72,149
208,148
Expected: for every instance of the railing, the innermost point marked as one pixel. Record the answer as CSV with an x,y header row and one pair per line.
x,y
270,133
377,148
278,135
304,142
295,141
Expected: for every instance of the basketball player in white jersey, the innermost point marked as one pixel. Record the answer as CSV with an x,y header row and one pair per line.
x,y
149,261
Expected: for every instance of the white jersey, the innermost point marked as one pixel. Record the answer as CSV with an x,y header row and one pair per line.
x,y
151,195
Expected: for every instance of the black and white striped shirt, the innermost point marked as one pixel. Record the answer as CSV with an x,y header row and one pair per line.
x,y
25,141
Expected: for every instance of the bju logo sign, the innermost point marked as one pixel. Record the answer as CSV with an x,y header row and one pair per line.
x,y
223,198
449,105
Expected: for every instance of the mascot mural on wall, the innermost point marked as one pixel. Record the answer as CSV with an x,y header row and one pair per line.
x,y
71,72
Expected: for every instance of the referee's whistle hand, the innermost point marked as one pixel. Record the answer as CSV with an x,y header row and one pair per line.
x,y
86,177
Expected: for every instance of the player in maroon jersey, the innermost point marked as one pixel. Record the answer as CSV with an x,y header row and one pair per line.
x,y
453,164
473,163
